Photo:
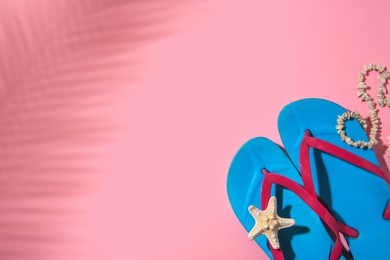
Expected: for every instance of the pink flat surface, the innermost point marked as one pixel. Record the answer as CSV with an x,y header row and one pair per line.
x,y
220,80
220,77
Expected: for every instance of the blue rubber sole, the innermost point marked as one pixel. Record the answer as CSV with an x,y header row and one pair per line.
x,y
355,196
308,239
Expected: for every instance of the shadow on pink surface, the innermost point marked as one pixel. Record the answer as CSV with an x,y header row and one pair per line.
x,y
62,64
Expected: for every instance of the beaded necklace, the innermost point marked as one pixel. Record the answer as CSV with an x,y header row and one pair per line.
x,y
373,112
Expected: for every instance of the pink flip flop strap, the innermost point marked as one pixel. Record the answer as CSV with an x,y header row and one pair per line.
x,y
313,202
312,142
386,215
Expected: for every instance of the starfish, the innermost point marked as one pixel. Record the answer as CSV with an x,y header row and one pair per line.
x,y
268,223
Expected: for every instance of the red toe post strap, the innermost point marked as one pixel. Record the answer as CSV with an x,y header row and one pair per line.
x,y
387,212
313,203
311,142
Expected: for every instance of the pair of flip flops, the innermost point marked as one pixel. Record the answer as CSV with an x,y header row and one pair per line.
x,y
337,194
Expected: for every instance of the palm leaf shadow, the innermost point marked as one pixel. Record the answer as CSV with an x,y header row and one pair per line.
x,y
61,64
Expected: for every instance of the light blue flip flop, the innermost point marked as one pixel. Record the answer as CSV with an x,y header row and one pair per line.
x,y
308,239
356,196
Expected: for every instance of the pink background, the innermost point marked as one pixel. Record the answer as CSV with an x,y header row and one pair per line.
x,y
218,76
